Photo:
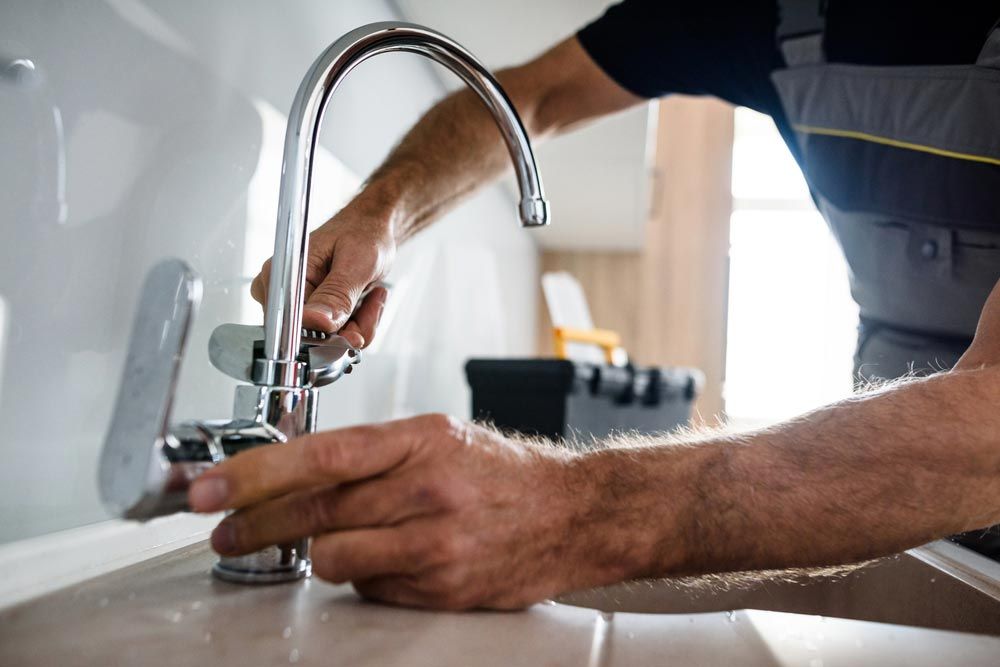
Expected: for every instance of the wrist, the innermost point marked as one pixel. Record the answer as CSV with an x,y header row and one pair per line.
x,y
621,515
382,205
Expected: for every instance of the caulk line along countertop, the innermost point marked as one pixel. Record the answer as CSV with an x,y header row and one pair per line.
x,y
169,611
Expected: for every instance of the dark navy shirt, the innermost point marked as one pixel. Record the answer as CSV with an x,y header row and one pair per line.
x,y
728,48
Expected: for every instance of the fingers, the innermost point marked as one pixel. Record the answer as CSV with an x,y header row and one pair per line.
x,y
331,304
360,330
392,590
413,591
382,501
370,553
258,288
317,459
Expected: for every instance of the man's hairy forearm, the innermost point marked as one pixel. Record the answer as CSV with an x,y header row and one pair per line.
x,y
456,147
866,477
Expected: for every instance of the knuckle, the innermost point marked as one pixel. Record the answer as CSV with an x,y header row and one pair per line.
x,y
431,495
316,512
438,494
441,423
445,548
328,457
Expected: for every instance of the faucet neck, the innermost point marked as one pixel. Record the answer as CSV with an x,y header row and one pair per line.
x,y
283,319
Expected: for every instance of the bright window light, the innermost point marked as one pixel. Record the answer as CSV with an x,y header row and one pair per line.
x,y
792,322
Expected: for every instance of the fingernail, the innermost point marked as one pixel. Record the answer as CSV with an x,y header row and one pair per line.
x,y
208,494
224,538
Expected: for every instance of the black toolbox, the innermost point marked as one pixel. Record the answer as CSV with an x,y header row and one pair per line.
x,y
558,398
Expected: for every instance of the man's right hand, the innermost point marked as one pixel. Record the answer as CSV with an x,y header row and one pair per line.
x,y
347,254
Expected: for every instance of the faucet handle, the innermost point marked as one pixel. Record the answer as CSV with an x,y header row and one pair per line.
x,y
330,357
233,349
134,470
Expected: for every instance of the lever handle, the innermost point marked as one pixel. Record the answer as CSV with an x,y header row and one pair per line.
x,y
136,477
233,349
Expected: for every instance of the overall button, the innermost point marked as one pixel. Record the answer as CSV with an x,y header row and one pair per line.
x,y
929,249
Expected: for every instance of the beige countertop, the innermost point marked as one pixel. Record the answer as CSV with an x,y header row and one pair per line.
x,y
169,611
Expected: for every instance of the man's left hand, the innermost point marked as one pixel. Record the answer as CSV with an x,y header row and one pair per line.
x,y
427,512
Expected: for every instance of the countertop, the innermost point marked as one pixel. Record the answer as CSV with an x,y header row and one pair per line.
x,y
169,611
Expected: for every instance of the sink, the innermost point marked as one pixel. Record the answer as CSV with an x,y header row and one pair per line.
x,y
941,586
169,612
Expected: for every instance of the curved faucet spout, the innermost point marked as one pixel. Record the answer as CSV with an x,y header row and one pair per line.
x,y
283,318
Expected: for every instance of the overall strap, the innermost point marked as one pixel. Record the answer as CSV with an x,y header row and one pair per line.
x,y
800,31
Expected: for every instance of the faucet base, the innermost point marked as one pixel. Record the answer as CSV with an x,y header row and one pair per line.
x,y
273,565
225,572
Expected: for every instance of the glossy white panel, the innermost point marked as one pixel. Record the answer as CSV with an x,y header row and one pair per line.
x,y
154,129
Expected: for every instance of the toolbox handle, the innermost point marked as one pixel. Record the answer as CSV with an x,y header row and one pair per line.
x,y
607,340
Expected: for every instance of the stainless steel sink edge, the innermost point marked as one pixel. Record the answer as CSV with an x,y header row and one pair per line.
x,y
969,567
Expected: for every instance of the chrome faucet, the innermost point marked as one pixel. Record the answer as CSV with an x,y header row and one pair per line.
x,y
147,465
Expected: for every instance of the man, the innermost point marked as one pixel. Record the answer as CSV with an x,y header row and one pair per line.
x,y
900,157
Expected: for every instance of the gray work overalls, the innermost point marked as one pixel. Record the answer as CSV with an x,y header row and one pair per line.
x,y
904,164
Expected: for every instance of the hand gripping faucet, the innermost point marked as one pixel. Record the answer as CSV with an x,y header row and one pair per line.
x,y
147,464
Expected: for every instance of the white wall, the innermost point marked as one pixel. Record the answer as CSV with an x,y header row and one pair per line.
x,y
153,129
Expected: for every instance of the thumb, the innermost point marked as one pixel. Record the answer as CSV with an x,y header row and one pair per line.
x,y
333,301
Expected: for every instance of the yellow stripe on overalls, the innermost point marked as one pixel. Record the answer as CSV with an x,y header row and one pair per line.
x,y
886,141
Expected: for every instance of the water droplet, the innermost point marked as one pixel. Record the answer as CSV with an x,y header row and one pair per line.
x,y
230,243
208,637
286,633
933,579
293,656
550,603
324,617
196,605
731,615
102,603
176,617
